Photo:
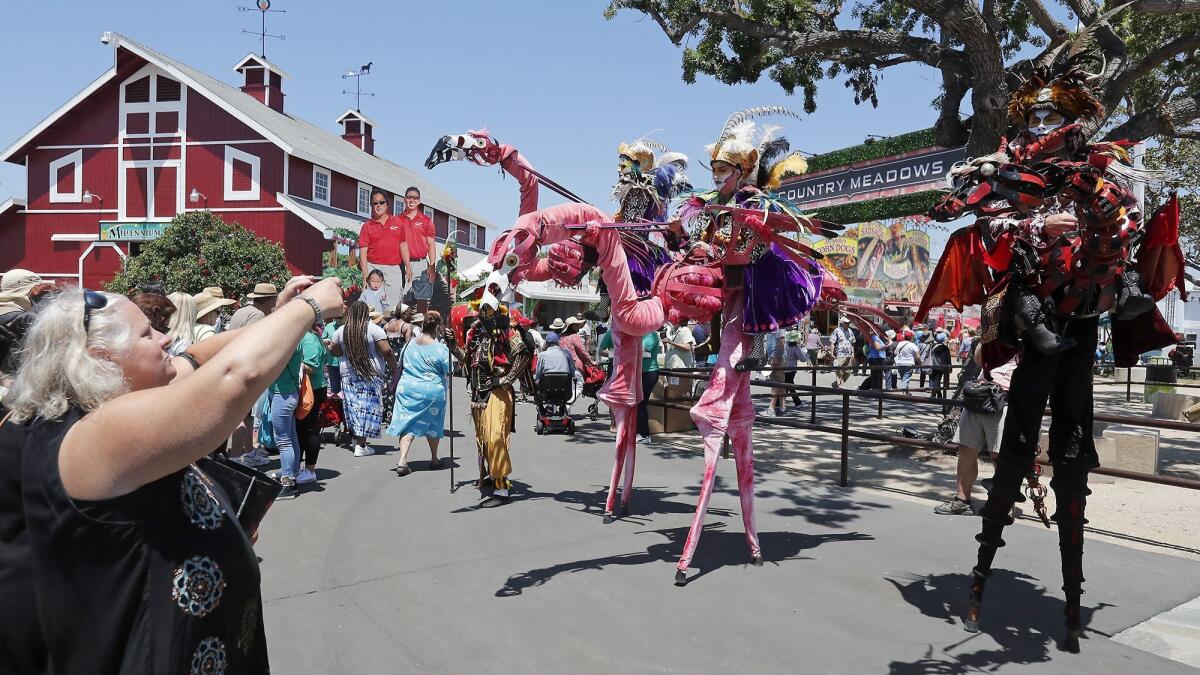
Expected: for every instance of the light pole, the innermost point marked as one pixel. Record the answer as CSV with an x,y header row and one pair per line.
x,y
88,196
195,196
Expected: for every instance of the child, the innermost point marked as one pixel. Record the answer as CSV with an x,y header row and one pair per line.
x,y
375,295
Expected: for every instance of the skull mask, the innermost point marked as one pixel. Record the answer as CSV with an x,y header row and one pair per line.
x,y
1042,121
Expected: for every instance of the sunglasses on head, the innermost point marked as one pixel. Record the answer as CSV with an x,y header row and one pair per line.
x,y
379,203
92,300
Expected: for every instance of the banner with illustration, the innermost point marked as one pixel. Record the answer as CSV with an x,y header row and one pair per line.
x,y
889,260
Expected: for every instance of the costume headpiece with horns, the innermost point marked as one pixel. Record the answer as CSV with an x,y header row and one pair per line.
x,y
1067,93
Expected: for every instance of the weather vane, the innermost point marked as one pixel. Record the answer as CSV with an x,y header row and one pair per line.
x,y
358,92
262,7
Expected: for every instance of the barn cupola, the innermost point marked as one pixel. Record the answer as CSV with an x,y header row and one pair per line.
x,y
358,129
263,80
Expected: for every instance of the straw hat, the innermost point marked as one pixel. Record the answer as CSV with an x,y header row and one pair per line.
x,y
205,303
263,290
214,291
573,321
557,324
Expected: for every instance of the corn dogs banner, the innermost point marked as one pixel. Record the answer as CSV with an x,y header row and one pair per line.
x,y
890,259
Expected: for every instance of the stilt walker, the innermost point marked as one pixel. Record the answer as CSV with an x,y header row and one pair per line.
x,y
1058,242
737,259
627,259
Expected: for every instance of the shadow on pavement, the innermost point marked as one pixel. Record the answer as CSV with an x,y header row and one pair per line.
x,y
718,548
1020,616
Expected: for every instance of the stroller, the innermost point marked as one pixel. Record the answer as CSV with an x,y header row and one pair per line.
x,y
553,396
593,378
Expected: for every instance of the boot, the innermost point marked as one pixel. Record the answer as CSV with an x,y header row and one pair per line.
x,y
1132,301
1031,321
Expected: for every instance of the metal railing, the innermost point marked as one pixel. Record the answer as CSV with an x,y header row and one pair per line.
x,y
845,432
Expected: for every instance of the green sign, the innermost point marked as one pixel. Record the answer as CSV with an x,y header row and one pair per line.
x,y
137,231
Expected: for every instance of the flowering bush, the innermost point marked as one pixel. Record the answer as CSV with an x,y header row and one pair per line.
x,y
198,250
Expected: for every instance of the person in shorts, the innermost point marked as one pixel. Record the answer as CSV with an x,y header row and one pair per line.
x,y
976,432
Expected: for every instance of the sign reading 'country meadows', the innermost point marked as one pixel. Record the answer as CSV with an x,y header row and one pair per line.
x,y
851,181
131,231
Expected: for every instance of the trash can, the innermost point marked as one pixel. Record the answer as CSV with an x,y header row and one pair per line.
x,y
1160,377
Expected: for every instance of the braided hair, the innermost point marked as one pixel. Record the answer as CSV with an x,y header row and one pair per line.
x,y
354,340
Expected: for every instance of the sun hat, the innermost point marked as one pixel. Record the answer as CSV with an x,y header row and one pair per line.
x,y
792,336
844,319
15,287
214,291
263,290
205,303
573,321
890,334
557,324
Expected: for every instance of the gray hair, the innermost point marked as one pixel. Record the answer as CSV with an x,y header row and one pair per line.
x,y
60,367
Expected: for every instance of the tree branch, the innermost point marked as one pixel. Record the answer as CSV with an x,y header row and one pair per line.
x,y
859,42
1153,60
1162,120
1166,6
1042,19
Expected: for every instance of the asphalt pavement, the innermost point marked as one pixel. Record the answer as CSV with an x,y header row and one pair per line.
x,y
366,572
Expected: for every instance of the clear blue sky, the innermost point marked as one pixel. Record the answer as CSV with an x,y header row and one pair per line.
x,y
553,78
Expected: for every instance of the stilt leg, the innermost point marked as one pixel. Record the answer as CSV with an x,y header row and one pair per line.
x,y
1070,492
712,438
625,440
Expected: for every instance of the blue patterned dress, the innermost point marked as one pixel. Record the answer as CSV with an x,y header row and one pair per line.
x,y
420,407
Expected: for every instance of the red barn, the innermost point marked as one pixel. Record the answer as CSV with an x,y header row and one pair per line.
x,y
153,137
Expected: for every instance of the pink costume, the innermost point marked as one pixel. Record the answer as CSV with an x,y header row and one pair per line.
x,y
514,254
767,282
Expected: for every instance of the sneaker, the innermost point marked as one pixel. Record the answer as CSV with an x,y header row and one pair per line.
x,y
955,507
306,475
252,460
643,440
289,490
364,451
778,412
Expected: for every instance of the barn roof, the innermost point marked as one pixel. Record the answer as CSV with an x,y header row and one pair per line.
x,y
295,136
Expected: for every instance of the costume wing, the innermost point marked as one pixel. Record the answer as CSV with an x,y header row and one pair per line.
x,y
1160,260
962,277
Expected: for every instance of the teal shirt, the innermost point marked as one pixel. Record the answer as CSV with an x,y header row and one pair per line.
x,y
314,355
288,381
327,334
651,343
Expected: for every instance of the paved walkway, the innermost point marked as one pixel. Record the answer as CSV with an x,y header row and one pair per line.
x,y
367,572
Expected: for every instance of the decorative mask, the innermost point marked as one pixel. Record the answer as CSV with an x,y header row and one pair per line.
x,y
725,176
1044,120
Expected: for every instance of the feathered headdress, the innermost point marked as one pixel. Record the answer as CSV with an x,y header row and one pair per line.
x,y
736,144
775,163
1067,93
642,151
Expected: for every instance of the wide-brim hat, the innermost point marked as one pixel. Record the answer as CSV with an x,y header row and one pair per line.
x,y
214,291
792,336
206,303
557,324
263,290
573,321
16,284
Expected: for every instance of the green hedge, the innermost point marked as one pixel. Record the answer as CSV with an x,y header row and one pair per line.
x,y
882,208
895,145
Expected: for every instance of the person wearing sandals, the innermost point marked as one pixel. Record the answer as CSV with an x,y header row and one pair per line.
x,y
368,358
420,407
140,564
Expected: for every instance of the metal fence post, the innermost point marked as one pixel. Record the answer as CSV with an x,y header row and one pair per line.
x,y
880,415
1128,382
813,403
845,478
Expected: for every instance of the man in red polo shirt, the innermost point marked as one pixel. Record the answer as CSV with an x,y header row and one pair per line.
x,y
379,247
419,249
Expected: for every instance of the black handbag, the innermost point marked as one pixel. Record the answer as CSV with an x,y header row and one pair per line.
x,y
984,397
250,492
